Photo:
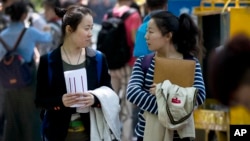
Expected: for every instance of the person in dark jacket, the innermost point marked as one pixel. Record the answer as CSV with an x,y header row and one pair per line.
x,y
62,121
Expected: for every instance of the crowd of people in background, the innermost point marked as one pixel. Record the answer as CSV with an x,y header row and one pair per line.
x,y
19,110
59,43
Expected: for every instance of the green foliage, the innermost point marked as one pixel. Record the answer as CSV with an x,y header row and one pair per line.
x,y
37,4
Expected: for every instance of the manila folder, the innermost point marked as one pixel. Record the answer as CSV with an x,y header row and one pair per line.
x,y
177,71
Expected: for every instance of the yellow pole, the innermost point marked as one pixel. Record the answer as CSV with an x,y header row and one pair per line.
x,y
212,4
237,5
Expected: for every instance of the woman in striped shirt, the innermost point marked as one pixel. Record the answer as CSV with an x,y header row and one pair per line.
x,y
169,37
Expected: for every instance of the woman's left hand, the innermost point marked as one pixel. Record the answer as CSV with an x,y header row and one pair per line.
x,y
86,99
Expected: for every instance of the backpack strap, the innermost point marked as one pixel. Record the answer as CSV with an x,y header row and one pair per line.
x,y
4,44
17,42
146,61
99,64
109,13
19,39
124,16
128,13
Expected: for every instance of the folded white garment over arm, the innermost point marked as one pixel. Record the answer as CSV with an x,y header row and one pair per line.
x,y
105,122
175,108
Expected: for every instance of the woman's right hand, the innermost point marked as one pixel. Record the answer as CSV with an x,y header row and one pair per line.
x,y
153,89
70,99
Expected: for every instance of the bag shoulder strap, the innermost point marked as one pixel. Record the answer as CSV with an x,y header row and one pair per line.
x,y
109,13
99,64
19,39
146,61
182,119
128,13
124,16
16,44
4,44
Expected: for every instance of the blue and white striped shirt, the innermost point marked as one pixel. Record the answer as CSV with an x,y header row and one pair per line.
x,y
138,90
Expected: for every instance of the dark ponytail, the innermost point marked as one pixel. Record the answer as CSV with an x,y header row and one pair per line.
x,y
16,10
189,39
186,36
60,12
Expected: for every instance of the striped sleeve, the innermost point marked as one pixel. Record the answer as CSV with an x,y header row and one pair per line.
x,y
138,88
199,83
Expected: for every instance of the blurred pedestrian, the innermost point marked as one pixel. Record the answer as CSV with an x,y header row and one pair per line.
x,y
4,20
3,24
21,115
53,23
34,18
100,7
120,76
229,71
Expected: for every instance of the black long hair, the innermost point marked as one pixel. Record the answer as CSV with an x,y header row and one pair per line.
x,y
185,34
16,10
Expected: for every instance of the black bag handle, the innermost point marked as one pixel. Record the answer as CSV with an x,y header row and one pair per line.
x,y
17,42
128,13
171,118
